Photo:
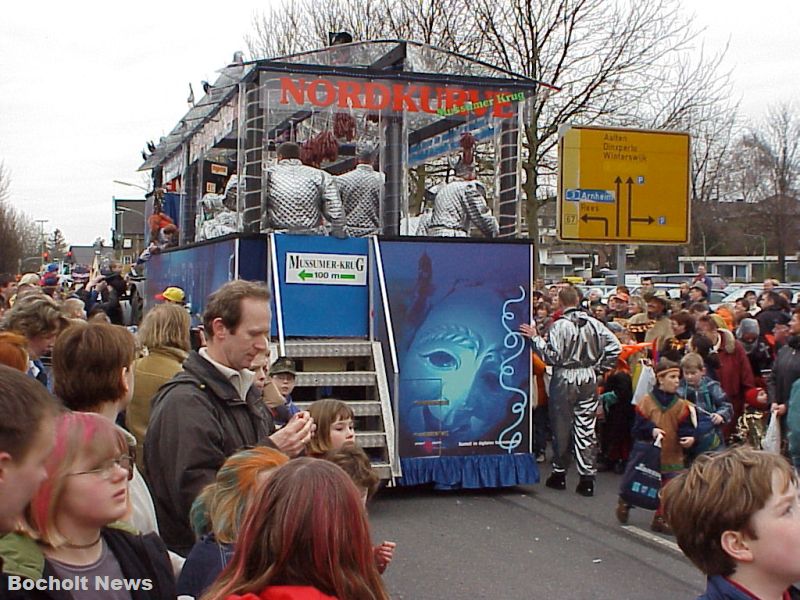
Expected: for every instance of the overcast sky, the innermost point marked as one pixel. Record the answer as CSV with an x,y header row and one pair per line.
x,y
84,85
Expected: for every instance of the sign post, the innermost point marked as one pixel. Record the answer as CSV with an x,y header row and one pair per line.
x,y
623,186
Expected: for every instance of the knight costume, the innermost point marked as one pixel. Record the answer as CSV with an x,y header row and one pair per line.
x,y
300,199
459,203
360,190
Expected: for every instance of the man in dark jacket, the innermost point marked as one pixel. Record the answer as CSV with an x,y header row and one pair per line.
x,y
786,368
774,310
210,410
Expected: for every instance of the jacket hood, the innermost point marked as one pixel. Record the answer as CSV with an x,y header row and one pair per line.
x,y
577,316
21,556
728,341
174,353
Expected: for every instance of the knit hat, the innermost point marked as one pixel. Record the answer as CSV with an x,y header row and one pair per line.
x,y
173,294
748,326
721,324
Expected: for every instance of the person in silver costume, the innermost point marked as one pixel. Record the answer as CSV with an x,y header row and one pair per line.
x,y
360,190
578,347
300,199
459,203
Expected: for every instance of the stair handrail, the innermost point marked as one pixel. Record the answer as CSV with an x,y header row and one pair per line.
x,y
395,450
276,290
385,302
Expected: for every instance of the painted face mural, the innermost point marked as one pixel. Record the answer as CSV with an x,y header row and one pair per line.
x,y
463,367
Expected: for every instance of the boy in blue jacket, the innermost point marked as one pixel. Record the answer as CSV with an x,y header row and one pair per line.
x,y
712,404
736,516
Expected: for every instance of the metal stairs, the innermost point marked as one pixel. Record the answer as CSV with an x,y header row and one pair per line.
x,y
352,371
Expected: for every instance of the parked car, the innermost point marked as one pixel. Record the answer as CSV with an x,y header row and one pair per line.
x,y
717,282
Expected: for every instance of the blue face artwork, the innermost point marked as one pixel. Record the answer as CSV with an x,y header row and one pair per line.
x,y
463,367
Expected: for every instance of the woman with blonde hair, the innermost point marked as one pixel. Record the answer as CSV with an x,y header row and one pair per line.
x,y
68,532
40,319
164,334
637,305
217,515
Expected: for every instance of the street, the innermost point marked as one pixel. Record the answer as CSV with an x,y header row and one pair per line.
x,y
526,543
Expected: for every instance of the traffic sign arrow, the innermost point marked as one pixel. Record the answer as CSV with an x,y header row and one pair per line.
x,y
649,220
629,181
587,218
305,275
618,181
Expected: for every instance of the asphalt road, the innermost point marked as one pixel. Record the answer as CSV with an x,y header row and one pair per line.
x,y
526,543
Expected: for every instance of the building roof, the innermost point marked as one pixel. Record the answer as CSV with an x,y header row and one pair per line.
x,y
84,255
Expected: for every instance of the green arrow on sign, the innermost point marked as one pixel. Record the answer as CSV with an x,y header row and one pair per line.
x,y
305,275
345,276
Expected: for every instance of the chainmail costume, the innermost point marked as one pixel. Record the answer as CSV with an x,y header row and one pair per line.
x,y
456,205
360,190
297,198
213,218
578,347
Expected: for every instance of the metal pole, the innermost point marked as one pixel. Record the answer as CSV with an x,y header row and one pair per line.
x,y
622,256
393,168
41,223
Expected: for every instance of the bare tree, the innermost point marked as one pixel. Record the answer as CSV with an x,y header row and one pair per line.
x,y
17,231
621,64
765,176
293,27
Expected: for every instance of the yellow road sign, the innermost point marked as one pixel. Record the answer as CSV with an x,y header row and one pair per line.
x,y
619,186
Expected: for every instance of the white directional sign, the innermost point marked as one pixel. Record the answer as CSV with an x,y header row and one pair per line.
x,y
326,269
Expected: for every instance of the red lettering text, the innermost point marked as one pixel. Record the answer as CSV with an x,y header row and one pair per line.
x,y
376,96
296,90
349,92
330,93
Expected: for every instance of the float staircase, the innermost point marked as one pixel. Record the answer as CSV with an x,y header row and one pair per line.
x,y
352,371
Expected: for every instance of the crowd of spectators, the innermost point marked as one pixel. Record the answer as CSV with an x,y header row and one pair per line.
x,y
124,453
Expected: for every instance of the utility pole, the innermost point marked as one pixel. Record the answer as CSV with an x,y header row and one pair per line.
x,y
43,248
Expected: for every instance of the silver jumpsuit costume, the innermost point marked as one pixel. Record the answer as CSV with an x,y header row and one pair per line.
x,y
360,190
578,348
297,198
456,205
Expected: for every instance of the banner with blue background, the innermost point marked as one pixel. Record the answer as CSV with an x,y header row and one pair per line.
x,y
464,404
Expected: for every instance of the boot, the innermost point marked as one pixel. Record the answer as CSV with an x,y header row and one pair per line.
x,y
659,525
623,510
585,486
557,480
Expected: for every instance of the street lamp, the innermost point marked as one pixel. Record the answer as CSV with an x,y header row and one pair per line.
x,y
141,187
133,210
